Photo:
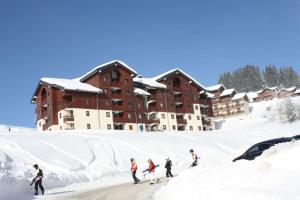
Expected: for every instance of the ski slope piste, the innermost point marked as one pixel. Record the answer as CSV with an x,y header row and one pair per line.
x,y
74,159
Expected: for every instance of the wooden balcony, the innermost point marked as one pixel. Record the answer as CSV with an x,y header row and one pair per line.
x,y
68,118
181,121
152,121
120,120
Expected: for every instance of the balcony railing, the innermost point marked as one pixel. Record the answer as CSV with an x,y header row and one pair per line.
x,y
181,121
120,119
152,121
180,109
68,118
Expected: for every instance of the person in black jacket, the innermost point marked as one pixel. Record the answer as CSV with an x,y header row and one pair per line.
x,y
37,180
168,166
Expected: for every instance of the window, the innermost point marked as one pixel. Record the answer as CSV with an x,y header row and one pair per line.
x,y
198,117
87,113
129,103
174,127
199,128
60,115
105,90
115,76
129,116
172,116
190,117
107,114
161,105
140,116
68,98
163,116
40,124
71,112
130,127
191,128
105,78
72,125
176,82
196,108
88,126
108,127
164,127
60,127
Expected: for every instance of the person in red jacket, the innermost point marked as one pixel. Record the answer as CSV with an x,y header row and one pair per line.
x,y
151,171
133,170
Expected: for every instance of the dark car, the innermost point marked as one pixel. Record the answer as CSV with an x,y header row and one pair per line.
x,y
257,149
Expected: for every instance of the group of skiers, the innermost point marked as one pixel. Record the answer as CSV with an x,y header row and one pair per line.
x,y
37,180
152,166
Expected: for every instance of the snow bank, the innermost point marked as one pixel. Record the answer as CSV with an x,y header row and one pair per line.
x,y
272,176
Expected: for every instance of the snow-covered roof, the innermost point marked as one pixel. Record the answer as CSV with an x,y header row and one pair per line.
x,y
267,88
149,82
252,95
238,96
297,91
71,84
291,89
215,87
208,94
141,92
99,67
227,92
159,77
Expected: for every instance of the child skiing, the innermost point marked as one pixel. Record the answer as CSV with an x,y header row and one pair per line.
x,y
37,180
168,166
194,157
133,170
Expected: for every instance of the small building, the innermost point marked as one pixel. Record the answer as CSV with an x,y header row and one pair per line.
x,y
266,94
286,92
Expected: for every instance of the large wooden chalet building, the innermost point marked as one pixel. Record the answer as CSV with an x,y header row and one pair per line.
x,y
113,96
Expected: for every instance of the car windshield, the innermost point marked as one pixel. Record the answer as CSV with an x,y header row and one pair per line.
x,y
253,149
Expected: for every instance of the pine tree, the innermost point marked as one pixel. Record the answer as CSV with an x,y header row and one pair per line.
x,y
226,80
271,76
288,77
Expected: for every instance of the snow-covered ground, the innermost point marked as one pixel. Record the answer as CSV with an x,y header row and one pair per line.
x,y
72,160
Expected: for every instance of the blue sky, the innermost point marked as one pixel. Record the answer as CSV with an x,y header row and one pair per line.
x,y
66,38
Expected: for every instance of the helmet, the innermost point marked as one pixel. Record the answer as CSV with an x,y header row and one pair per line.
x,y
191,151
131,159
35,166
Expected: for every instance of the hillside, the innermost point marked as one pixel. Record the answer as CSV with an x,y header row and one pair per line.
x,y
72,160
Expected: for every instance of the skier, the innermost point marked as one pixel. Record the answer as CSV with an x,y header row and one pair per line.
x,y
151,170
194,157
133,170
168,167
37,180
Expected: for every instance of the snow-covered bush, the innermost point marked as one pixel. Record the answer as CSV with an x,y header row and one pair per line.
x,y
287,110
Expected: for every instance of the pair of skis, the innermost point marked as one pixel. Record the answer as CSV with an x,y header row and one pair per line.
x,y
145,172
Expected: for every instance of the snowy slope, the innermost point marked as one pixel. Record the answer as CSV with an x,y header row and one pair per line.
x,y
71,160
